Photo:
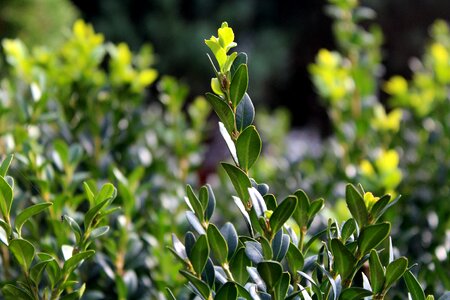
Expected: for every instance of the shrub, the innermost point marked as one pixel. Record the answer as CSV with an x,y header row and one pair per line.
x,y
281,256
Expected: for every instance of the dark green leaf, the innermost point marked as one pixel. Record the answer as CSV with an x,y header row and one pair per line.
x,y
28,212
227,291
201,286
356,205
94,211
395,271
371,236
195,223
239,60
238,266
4,166
314,208
189,242
240,181
258,202
294,259
208,274
23,251
348,229
254,251
414,287
199,254
301,212
239,84
379,207
217,244
314,286
74,227
282,286
195,203
376,272
11,292
344,260
354,293
282,213
271,201
281,247
203,197
6,197
248,147
270,272
211,203
36,271
266,248
223,111
245,113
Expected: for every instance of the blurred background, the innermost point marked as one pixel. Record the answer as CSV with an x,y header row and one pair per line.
x,y
281,38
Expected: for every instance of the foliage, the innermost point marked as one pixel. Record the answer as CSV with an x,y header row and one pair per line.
x,y
281,256
82,112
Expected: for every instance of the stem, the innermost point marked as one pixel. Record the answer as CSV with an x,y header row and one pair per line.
x,y
227,272
302,238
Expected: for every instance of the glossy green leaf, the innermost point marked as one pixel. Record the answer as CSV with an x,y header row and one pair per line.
x,y
344,260
195,203
97,232
37,270
73,262
28,212
314,208
254,251
238,266
94,211
211,203
239,84
11,292
413,286
230,234
227,291
395,271
282,213
377,272
6,197
239,60
199,254
245,113
229,142
294,259
301,212
4,166
74,227
270,272
89,193
354,293
203,197
248,147
23,251
107,191
371,236
281,288
223,111
217,244
201,286
240,181
348,229
356,205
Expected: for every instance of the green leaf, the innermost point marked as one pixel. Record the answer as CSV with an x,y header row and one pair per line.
x,y
344,260
195,203
282,213
61,154
229,141
107,191
356,205
11,292
239,85
414,287
282,286
74,227
73,262
229,233
28,212
376,272
245,113
240,59
199,254
223,111
89,194
201,286
240,181
227,291
294,259
314,208
53,270
94,211
211,203
238,266
97,232
5,164
229,62
301,212
348,229
248,146
217,244
395,271
371,236
23,251
36,271
354,293
203,197
6,197
270,272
